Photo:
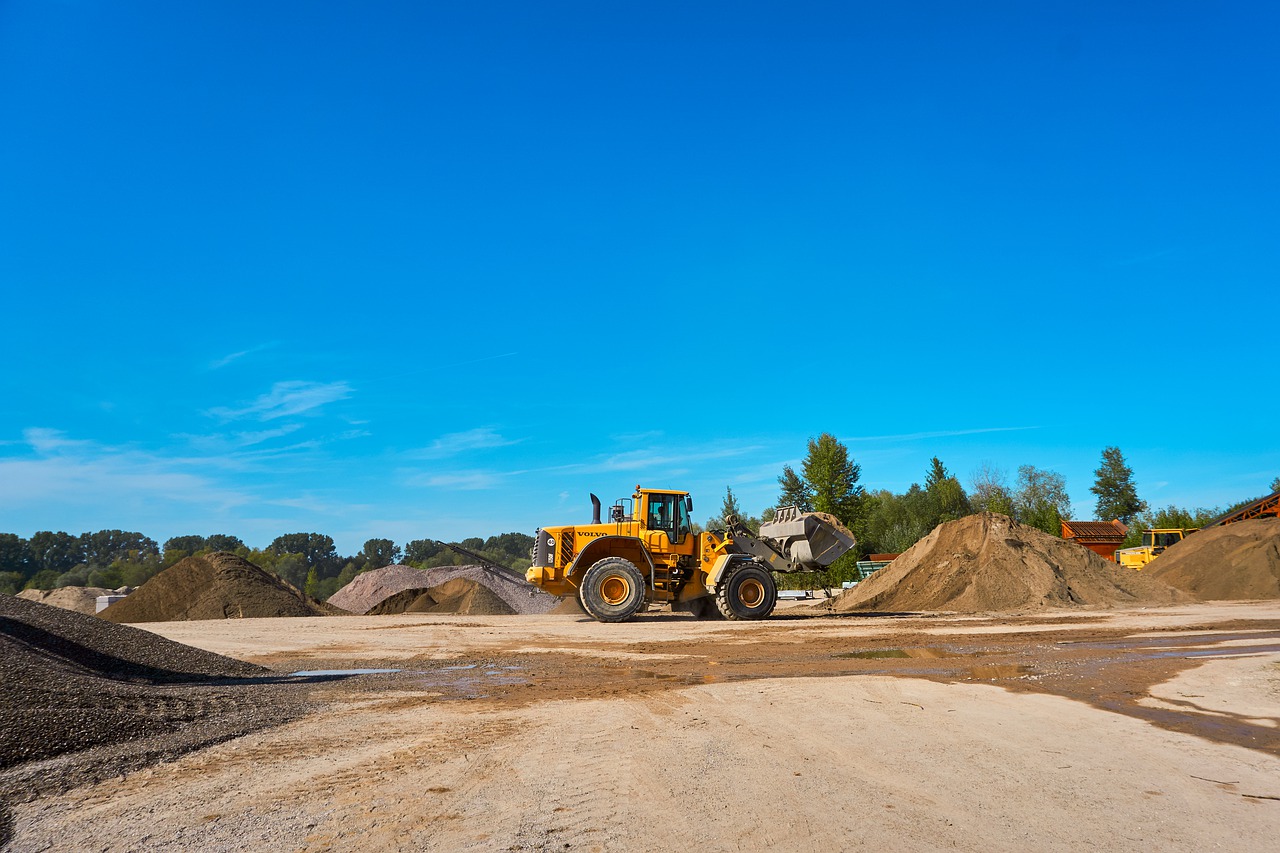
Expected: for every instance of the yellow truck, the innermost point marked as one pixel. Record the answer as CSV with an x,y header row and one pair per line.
x,y
1154,543
647,552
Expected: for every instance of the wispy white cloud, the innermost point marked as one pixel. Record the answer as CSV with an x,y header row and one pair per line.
x,y
49,441
917,436
655,459
464,481
219,363
481,438
638,437
286,399
78,472
222,442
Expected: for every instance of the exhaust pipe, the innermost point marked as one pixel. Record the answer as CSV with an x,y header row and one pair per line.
x,y
595,510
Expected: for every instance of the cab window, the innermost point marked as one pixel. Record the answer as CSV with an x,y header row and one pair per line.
x,y
683,527
662,514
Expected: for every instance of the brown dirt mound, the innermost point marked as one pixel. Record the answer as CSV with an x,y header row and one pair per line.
x,y
1228,563
460,596
81,599
218,586
368,589
989,562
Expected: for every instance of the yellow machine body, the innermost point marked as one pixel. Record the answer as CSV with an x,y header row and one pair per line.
x,y
1154,543
647,547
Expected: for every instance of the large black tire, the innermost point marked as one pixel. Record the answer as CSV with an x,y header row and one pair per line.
x,y
612,590
747,593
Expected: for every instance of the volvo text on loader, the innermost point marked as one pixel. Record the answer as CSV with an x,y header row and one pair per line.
x,y
647,552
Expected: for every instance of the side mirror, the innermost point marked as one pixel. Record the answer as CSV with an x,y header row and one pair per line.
x,y
688,504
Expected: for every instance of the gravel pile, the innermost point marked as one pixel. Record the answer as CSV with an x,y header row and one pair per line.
x,y
372,588
82,699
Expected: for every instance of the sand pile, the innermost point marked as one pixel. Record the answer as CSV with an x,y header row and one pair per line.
x,y
459,596
217,586
990,562
81,599
1232,562
369,589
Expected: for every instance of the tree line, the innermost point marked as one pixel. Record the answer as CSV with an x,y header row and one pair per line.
x,y
886,522
310,561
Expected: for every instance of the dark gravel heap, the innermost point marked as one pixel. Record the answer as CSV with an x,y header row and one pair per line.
x,y
83,699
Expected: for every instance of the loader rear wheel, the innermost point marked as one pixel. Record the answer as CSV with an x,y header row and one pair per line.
x,y
612,590
748,593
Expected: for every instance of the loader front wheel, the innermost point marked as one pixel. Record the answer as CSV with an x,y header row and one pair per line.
x,y
748,593
612,590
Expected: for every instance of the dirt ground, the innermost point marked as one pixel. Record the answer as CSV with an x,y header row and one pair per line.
x,y
1132,729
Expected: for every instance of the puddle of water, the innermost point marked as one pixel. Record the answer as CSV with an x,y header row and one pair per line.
x,y
647,675
995,671
319,672
927,652
1227,652
459,666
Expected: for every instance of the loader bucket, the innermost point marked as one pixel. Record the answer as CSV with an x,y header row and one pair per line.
x,y
810,540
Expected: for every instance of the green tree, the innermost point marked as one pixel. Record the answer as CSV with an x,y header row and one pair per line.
x,y
1275,485
13,553
419,551
312,581
894,523
937,474
1170,517
1116,491
832,478
223,542
380,552
43,579
730,507
52,551
108,578
514,550
947,498
795,491
293,568
104,547
1041,499
315,549
11,582
187,544
990,491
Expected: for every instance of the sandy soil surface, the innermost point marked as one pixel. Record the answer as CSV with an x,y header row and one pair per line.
x,y
1130,729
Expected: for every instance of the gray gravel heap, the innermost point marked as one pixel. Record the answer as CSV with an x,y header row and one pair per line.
x,y
369,589
82,698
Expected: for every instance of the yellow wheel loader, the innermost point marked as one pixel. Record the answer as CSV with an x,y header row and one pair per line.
x,y
1154,543
647,552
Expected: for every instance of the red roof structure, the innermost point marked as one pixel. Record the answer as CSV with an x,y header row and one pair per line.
x,y
1100,537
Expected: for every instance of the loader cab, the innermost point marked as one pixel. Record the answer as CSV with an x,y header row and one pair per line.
x,y
670,513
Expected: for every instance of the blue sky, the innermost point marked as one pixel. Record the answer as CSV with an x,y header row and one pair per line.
x,y
439,270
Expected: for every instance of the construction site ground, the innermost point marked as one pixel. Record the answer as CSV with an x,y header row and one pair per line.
x,y
1153,728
